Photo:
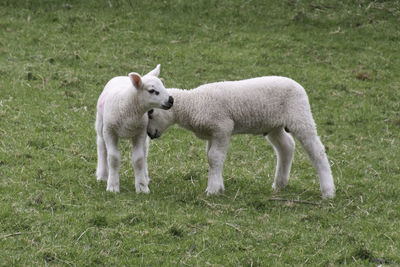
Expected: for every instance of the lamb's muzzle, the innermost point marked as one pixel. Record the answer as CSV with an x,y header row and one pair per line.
x,y
168,104
155,135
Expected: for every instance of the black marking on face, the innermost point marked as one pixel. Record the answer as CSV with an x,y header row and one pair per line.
x,y
152,91
149,114
153,136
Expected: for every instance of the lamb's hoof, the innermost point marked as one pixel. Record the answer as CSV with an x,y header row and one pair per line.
x,y
101,174
328,193
113,188
142,188
215,190
278,186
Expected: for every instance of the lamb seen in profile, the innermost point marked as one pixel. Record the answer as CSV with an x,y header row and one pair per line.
x,y
271,106
121,113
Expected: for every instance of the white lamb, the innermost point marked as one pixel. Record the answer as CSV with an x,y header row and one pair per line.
x,y
265,105
121,113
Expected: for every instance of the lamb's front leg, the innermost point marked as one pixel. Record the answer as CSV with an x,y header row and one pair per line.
x,y
139,163
113,160
216,154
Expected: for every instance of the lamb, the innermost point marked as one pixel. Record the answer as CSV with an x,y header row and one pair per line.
x,y
272,106
121,113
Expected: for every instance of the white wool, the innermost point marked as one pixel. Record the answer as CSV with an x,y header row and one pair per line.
x,y
121,113
265,105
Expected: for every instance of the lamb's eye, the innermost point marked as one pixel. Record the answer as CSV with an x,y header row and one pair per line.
x,y
152,91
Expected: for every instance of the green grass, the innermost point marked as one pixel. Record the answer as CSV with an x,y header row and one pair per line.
x,y
55,58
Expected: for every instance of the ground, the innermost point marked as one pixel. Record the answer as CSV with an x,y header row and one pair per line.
x,y
56,57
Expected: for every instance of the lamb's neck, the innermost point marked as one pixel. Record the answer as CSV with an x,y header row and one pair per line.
x,y
182,102
133,105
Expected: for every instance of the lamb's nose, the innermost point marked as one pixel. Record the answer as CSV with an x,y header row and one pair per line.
x,y
171,100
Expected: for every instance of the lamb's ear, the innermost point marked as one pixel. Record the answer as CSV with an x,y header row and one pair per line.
x,y
155,72
136,80
163,81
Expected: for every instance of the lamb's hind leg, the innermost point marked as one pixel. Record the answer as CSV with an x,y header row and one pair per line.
x,y
113,160
102,169
316,152
283,145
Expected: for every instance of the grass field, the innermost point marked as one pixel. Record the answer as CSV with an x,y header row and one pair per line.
x,y
55,58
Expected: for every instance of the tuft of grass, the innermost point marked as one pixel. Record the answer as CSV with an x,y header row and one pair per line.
x,y
56,57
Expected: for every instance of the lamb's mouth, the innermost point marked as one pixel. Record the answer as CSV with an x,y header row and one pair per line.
x,y
166,107
153,136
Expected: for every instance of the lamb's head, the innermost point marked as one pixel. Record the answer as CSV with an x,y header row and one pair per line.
x,y
151,90
159,121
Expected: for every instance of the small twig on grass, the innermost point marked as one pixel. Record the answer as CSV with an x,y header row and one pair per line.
x,y
237,193
191,180
234,227
18,233
208,203
13,234
294,201
84,232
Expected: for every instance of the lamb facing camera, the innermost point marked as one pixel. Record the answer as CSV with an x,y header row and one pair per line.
x,y
121,113
271,106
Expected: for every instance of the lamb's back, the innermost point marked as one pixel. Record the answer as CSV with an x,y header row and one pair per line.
x,y
259,103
